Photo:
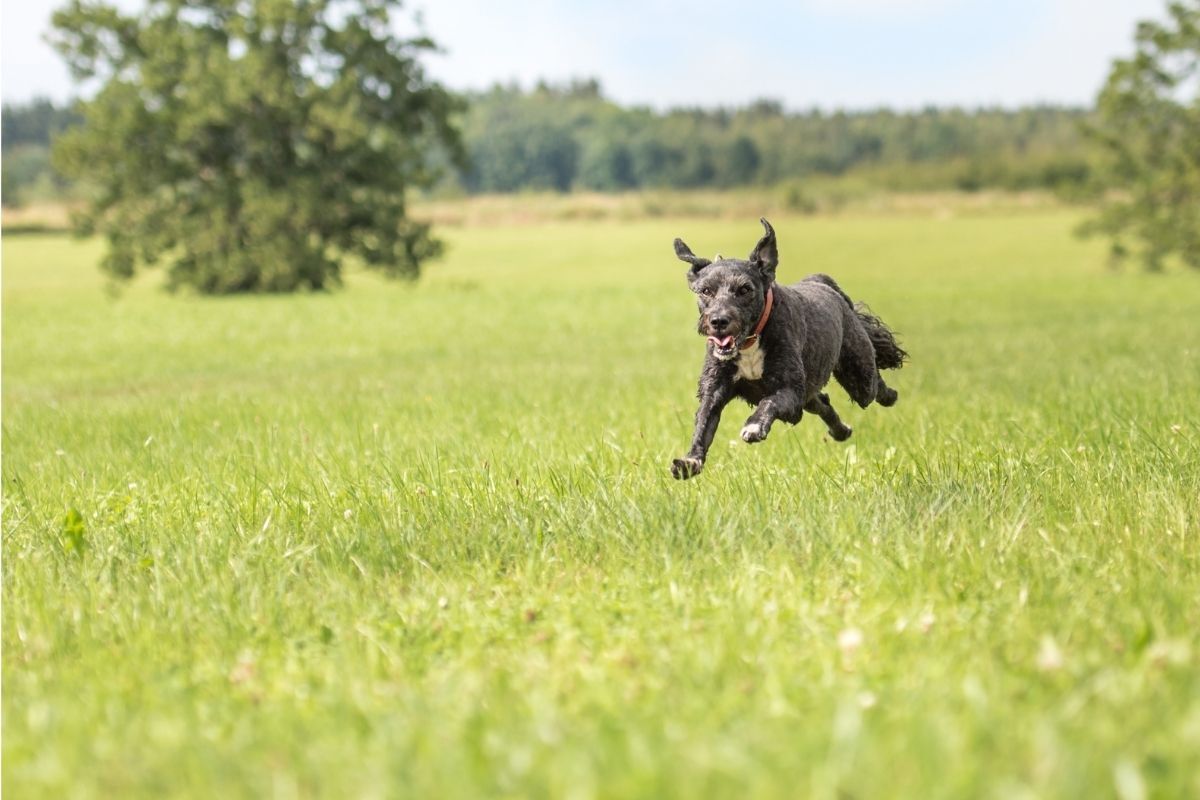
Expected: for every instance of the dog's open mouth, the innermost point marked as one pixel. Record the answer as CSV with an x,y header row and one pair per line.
x,y
724,347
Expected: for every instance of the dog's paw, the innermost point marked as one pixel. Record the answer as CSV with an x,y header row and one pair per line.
x,y
887,397
684,468
841,434
754,432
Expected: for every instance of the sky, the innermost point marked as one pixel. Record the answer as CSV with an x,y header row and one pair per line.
x,y
849,54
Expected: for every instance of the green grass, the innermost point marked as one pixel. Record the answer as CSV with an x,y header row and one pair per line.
x,y
423,541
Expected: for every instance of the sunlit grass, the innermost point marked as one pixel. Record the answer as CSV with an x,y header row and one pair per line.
x,y
422,540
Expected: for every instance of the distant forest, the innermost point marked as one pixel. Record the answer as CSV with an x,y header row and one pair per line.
x,y
26,132
570,137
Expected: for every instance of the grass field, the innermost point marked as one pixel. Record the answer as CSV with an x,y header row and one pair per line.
x,y
421,540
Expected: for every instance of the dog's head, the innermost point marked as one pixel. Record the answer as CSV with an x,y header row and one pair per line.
x,y
731,292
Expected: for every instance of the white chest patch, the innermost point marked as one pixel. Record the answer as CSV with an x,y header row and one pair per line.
x,y
750,364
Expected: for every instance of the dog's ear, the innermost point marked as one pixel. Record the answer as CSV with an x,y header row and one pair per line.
x,y
765,254
684,253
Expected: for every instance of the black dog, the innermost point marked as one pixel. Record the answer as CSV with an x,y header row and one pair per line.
x,y
776,347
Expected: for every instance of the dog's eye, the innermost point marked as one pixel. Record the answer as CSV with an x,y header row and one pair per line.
x,y
741,290
706,292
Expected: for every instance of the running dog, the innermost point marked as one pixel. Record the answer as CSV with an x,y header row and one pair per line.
x,y
777,346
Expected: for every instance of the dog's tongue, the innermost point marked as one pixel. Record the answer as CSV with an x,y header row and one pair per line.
x,y
722,343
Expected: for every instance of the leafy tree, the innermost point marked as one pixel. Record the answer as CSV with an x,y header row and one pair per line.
x,y
253,144
1149,126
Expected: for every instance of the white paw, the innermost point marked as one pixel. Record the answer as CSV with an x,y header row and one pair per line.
x,y
753,432
684,468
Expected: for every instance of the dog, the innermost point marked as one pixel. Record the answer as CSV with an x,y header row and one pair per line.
x,y
777,346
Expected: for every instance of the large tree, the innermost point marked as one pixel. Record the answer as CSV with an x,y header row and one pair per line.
x,y
252,145
1149,126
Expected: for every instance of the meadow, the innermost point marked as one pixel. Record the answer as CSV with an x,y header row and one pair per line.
x,y
422,539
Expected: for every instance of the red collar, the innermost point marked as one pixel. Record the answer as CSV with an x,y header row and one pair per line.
x,y
752,339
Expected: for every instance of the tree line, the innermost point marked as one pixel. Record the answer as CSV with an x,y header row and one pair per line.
x,y
26,131
571,137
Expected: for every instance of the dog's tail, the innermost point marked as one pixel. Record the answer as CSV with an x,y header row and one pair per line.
x,y
888,352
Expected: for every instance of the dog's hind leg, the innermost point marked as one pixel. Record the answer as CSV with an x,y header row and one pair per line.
x,y
820,406
855,369
884,394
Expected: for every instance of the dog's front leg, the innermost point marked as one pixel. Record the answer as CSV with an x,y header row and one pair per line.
x,y
784,404
714,396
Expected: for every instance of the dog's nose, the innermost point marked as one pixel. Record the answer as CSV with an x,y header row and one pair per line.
x,y
719,323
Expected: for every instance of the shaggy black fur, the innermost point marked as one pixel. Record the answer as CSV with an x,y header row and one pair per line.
x,y
814,332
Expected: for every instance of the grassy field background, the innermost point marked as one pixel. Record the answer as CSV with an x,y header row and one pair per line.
x,y
422,539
